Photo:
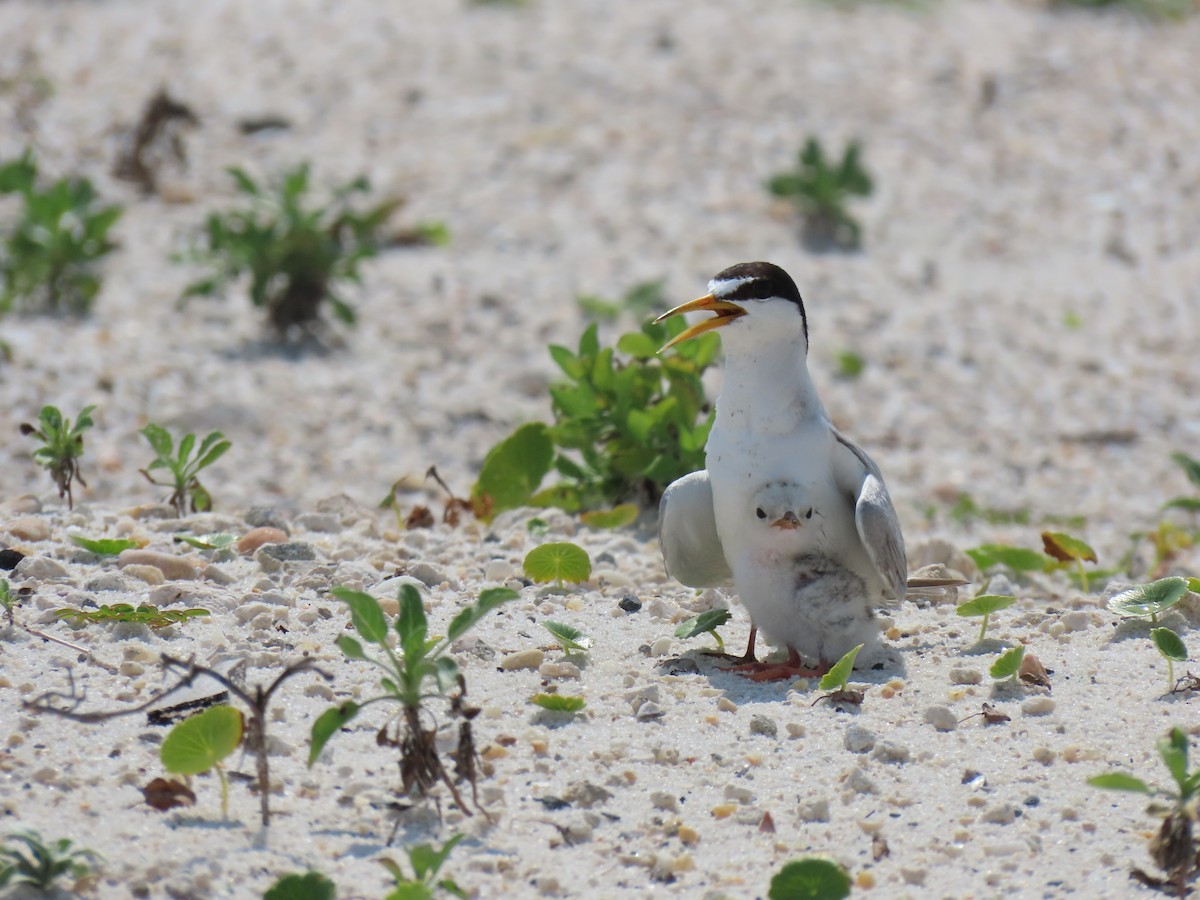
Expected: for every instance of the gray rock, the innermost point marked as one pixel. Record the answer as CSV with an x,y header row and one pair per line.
x,y
584,794
293,551
41,567
942,718
764,725
319,521
858,739
267,516
428,574
107,581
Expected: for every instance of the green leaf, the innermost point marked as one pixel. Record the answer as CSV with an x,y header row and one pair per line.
x,y
426,861
350,648
197,744
309,886
637,345
617,517
705,623
327,725
104,546
1149,599
218,540
489,599
1008,663
410,890
159,440
1119,781
558,561
985,605
1193,585
1174,752
411,624
559,702
513,469
811,878
1066,548
1169,644
568,637
839,674
1188,504
366,614
1018,559
1190,466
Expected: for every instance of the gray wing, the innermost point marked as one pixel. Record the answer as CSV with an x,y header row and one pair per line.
x,y
687,532
876,519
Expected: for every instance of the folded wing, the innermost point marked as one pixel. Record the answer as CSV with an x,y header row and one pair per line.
x,y
875,517
687,531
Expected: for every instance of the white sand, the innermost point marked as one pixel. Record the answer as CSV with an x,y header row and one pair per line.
x,y
581,147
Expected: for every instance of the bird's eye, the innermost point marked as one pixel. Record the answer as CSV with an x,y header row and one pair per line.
x,y
808,515
759,512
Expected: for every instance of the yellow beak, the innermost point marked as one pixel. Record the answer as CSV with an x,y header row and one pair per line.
x,y
787,522
725,312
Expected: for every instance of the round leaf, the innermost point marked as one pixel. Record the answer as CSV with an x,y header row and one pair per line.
x,y
558,561
617,517
1149,599
1169,644
568,637
559,702
1008,663
309,886
197,744
811,878
985,605
1065,548
104,546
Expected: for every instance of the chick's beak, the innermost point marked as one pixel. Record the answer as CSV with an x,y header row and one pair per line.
x,y
725,312
788,521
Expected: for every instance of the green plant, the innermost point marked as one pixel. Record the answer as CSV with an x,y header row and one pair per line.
x,y
422,670
1164,10
705,623
1171,647
144,614
41,864
297,255
1173,848
1017,559
838,675
217,540
1008,664
850,365
48,262
1151,599
183,466
200,743
642,299
820,190
558,561
559,702
426,861
984,606
571,639
627,424
62,446
1067,550
309,886
103,546
1191,468
810,878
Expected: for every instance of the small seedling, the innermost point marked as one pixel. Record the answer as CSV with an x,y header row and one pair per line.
x,y
183,466
1191,468
426,862
309,886
49,260
706,623
617,517
297,255
104,546
62,446
558,561
8,601
1151,599
1174,847
571,639
41,864
820,190
850,365
144,614
1008,663
559,702
1068,549
1171,648
422,670
627,424
200,743
810,878
985,606
1017,559
837,678
217,540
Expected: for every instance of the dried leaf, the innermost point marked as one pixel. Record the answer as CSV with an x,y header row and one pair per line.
x,y
879,847
766,824
1033,672
163,794
993,716
1066,548
420,517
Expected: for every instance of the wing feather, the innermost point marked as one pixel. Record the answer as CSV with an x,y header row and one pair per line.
x,y
687,532
875,517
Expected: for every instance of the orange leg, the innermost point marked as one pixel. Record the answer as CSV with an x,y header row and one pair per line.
x,y
792,667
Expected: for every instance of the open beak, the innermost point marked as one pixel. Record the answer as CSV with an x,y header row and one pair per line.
x,y
788,521
725,312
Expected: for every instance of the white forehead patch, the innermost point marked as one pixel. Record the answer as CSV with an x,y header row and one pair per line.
x,y
724,286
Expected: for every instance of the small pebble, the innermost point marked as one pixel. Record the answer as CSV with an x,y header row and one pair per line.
x,y
107,581
999,814
149,574
858,739
319,521
764,725
724,704
257,537
172,567
650,710
941,717
558,670
661,647
890,752
41,567
266,516
664,800
1038,706
813,810
293,551
963,675
29,528
630,603
429,575
498,570
9,559
523,659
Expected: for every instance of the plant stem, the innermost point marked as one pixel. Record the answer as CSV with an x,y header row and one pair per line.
x,y
720,642
983,630
224,791
1170,675
1083,579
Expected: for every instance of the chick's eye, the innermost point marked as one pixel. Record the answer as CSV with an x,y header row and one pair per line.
x,y
759,512
808,515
